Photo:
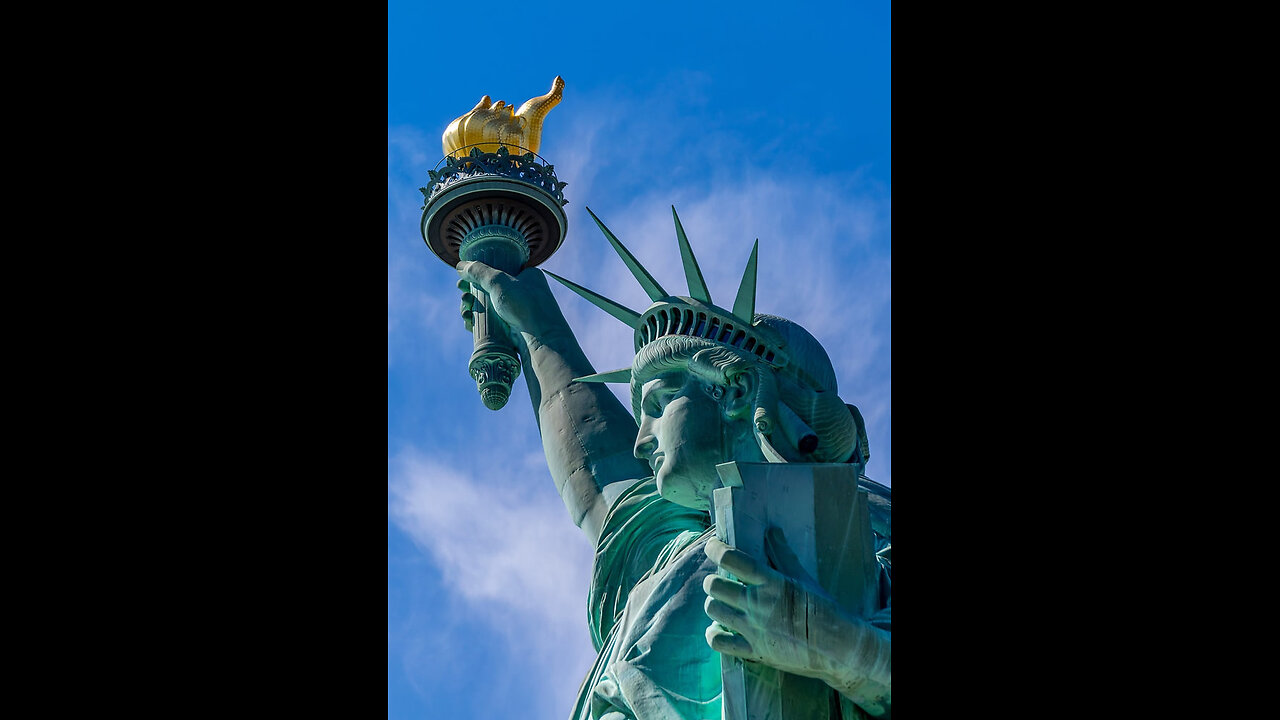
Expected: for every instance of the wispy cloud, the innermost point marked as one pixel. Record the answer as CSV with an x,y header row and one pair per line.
x,y
514,560
512,548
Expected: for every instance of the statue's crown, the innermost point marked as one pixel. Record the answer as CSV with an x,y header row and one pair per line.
x,y
830,429
690,316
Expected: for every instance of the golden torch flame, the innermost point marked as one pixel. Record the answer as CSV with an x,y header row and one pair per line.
x,y
489,125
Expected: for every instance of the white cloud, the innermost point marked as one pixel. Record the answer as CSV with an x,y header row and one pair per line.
x,y
493,546
513,559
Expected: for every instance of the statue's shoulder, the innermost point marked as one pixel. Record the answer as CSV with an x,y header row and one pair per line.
x,y
883,492
880,503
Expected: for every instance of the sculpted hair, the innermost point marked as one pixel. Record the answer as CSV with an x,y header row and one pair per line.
x,y
808,387
816,425
669,354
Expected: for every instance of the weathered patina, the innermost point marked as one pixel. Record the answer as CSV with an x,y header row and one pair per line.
x,y
735,419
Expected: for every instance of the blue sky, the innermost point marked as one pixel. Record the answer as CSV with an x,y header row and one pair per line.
x,y
755,120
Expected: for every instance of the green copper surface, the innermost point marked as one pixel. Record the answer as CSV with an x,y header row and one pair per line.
x,y
692,273
744,306
622,375
623,313
646,280
742,561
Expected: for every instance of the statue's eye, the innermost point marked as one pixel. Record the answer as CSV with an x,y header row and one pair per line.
x,y
657,400
650,405
654,404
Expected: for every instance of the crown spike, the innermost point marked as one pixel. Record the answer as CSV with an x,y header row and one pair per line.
x,y
625,314
613,376
744,306
646,280
692,273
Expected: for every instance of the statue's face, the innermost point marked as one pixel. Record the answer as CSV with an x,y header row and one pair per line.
x,y
682,438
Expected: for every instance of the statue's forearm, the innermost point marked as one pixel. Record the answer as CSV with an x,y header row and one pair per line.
x,y
587,435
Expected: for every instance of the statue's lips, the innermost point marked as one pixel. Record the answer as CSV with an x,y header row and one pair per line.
x,y
655,461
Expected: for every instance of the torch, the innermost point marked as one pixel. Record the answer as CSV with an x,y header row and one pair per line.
x,y
495,200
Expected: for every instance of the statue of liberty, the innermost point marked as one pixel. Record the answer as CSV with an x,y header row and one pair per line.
x,y
709,385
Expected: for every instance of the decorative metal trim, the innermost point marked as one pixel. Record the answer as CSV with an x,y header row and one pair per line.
x,y
702,321
524,168
504,236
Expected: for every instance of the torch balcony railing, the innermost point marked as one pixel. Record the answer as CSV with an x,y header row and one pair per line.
x,y
528,167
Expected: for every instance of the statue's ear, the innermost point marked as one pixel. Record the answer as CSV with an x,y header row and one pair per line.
x,y
740,395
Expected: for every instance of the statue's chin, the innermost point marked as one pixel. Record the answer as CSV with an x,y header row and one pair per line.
x,y
682,491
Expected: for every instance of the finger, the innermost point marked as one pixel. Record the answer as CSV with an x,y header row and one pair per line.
x,y
729,617
782,557
725,590
485,277
742,565
723,641
468,304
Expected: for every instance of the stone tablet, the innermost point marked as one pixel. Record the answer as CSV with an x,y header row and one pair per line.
x,y
825,518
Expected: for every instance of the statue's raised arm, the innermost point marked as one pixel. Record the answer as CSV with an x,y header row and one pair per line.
x,y
493,212
587,435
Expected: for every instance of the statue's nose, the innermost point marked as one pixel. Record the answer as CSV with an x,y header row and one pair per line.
x,y
646,443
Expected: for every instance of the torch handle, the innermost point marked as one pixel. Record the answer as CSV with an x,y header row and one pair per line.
x,y
495,363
